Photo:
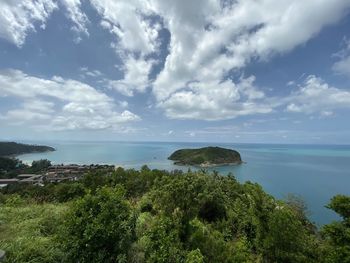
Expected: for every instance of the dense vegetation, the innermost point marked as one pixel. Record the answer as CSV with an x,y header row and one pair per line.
x,y
206,156
159,216
13,148
11,167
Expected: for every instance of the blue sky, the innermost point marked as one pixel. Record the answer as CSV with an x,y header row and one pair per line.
x,y
159,70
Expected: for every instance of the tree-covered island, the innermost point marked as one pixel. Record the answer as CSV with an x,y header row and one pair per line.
x,y
14,148
206,157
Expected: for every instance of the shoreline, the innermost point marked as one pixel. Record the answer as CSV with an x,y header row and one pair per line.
x,y
15,155
210,165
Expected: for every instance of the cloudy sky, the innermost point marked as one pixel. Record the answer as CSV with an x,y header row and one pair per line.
x,y
165,70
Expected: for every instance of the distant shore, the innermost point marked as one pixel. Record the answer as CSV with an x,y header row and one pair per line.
x,y
209,165
13,149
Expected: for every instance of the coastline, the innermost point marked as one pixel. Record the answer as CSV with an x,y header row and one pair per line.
x,y
297,170
15,155
210,165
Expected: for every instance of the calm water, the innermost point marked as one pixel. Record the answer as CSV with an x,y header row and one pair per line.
x,y
314,172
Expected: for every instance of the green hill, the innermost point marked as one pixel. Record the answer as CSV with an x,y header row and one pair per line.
x,y
13,148
207,156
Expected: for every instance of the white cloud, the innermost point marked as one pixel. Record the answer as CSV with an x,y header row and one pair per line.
x,y
23,115
18,18
78,18
123,104
291,83
60,104
206,46
136,76
215,101
342,66
90,73
127,20
136,38
192,134
327,113
209,39
316,96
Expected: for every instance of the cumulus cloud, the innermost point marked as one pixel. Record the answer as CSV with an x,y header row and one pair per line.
x,y
228,37
136,33
60,104
215,101
78,18
136,77
208,40
18,18
342,66
128,21
316,96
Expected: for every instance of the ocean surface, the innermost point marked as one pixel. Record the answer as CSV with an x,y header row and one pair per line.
x,y
313,172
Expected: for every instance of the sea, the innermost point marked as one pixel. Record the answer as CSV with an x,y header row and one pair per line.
x,y
314,173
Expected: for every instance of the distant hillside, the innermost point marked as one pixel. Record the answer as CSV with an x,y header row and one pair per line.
x,y
205,157
13,148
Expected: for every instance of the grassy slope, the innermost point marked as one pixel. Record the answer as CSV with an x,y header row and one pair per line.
x,y
28,230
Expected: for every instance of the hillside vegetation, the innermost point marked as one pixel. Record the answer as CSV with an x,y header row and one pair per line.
x,y
13,148
207,156
11,167
159,216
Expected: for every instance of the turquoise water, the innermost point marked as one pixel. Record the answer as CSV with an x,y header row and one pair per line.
x,y
314,172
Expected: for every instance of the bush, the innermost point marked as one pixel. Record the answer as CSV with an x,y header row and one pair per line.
x,y
98,228
28,231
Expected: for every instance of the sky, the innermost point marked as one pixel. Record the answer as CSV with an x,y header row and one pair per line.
x,y
251,71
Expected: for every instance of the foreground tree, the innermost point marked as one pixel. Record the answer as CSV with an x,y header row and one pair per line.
x,y
39,166
337,234
98,228
287,240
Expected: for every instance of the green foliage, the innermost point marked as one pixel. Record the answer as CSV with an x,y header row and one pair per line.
x,y
194,256
98,227
68,191
241,251
61,192
92,181
286,239
28,231
10,167
8,163
211,155
39,166
337,234
13,148
159,216
162,241
341,205
209,241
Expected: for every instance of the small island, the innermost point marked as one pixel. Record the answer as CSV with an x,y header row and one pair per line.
x,y
206,157
13,148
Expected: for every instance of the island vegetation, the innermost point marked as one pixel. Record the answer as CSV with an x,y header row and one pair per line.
x,y
161,216
206,157
14,148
